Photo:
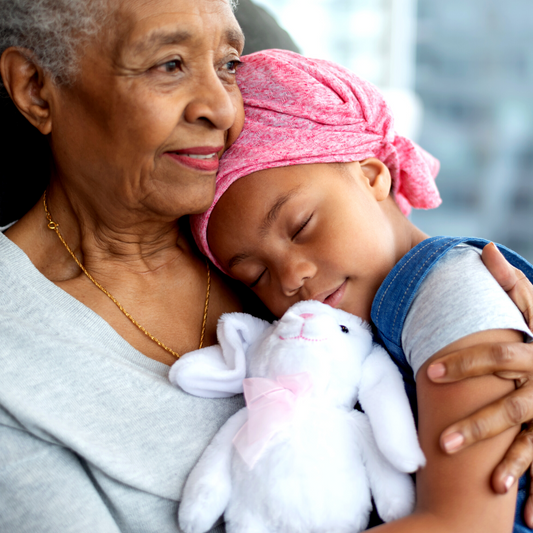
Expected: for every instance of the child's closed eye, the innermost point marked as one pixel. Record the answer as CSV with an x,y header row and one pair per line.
x,y
257,280
302,226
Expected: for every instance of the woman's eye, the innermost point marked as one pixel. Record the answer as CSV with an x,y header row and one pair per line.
x,y
302,226
344,329
171,66
254,283
233,65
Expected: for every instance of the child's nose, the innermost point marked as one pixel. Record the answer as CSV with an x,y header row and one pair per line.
x,y
295,275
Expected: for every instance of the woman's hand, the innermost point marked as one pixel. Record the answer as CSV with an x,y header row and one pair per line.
x,y
510,361
513,281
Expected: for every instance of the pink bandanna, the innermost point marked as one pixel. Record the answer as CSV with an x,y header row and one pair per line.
x,y
301,111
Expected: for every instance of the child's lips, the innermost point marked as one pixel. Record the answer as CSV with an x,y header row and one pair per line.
x,y
334,298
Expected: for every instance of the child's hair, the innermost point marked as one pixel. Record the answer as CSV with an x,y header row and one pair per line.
x,y
302,111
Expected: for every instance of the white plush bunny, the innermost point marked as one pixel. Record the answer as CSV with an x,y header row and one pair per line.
x,y
299,457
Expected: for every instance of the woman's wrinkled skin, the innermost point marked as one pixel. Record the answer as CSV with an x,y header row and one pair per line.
x,y
160,79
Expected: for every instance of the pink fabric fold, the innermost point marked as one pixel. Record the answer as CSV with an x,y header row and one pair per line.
x,y
270,407
301,111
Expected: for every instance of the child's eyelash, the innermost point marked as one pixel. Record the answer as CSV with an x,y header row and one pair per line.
x,y
257,280
302,226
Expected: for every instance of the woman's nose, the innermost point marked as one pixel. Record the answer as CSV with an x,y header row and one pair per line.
x,y
294,276
213,102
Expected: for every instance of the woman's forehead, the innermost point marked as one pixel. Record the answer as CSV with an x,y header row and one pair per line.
x,y
149,24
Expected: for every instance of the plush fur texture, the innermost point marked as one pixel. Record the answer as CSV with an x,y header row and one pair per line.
x,y
318,472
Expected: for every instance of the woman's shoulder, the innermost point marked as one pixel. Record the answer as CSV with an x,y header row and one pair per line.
x,y
26,293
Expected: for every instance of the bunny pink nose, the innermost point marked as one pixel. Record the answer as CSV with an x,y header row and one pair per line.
x,y
307,315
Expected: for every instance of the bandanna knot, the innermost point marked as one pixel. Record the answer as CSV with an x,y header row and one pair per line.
x,y
302,111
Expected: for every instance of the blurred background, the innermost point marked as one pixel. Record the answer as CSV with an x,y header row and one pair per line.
x,y
459,75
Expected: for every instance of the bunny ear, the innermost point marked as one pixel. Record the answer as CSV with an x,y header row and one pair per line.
x,y
217,371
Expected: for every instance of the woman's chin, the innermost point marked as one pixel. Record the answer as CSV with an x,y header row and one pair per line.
x,y
172,206
202,208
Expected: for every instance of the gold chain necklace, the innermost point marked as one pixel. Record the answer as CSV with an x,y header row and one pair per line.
x,y
55,227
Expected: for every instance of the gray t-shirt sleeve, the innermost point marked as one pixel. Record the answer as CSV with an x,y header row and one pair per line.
x,y
459,297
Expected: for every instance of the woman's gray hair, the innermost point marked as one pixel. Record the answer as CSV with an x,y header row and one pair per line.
x,y
53,30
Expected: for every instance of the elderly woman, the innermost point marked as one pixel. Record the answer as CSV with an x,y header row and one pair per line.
x,y
101,287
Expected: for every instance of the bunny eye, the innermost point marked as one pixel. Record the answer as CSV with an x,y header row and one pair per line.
x,y
344,329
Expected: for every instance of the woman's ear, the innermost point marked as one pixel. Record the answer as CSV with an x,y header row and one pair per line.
x,y
378,176
28,86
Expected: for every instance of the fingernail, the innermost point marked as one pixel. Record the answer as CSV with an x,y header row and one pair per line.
x,y
509,480
495,247
453,442
437,370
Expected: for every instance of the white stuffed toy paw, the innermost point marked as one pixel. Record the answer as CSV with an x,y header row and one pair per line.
x,y
298,457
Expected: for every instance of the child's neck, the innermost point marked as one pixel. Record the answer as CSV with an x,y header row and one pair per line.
x,y
405,234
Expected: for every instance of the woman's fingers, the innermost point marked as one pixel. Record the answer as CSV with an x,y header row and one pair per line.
x,y
513,281
512,410
507,360
516,461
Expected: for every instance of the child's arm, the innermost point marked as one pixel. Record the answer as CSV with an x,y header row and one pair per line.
x,y
454,491
512,361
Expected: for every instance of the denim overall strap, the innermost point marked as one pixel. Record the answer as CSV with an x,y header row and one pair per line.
x,y
393,300
395,296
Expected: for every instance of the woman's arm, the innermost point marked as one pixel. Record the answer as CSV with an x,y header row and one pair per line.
x,y
511,361
453,491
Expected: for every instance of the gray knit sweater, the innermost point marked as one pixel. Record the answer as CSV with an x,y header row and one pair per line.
x,y
93,438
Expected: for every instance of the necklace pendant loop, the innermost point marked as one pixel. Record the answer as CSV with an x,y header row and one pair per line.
x,y
52,225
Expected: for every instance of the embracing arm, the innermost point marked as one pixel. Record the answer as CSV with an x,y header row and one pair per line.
x,y
453,491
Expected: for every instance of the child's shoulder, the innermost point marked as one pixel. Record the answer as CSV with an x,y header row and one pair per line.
x,y
459,255
438,293
461,266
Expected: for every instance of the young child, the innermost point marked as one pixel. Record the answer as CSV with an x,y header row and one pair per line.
x,y
320,213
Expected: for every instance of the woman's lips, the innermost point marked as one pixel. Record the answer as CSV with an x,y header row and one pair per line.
x,y
199,158
336,296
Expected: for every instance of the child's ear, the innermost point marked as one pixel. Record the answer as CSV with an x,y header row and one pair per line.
x,y
378,176
28,86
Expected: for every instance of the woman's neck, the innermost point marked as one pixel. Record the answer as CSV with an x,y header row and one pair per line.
x,y
101,234
148,264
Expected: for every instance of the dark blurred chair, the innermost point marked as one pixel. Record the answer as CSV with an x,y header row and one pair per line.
x,y
25,167
261,29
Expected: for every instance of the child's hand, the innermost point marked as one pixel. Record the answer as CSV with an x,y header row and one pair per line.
x,y
509,361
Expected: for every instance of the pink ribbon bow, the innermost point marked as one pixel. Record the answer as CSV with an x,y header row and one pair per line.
x,y
270,408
